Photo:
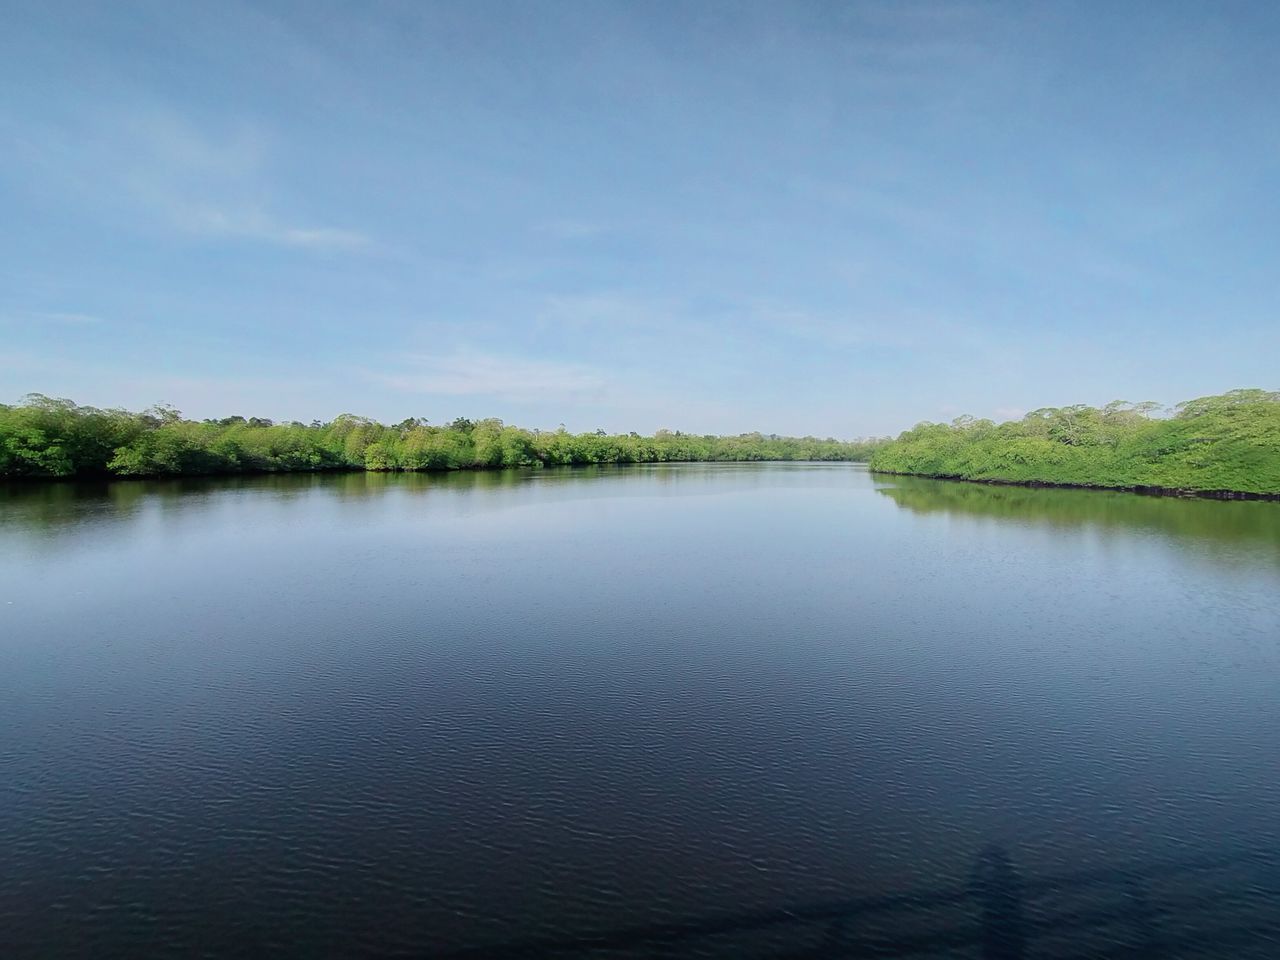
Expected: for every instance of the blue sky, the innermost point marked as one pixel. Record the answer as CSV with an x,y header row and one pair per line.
x,y
833,218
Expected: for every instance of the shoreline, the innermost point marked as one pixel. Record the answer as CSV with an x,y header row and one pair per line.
x,y
343,469
1146,490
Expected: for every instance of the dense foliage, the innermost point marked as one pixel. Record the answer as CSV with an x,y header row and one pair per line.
x,y
1222,443
42,437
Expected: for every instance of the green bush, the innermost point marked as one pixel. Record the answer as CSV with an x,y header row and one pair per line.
x,y
41,437
1229,442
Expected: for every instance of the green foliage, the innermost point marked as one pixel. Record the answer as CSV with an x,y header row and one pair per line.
x,y
40,437
1229,442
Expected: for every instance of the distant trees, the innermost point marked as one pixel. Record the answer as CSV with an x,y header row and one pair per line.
x,y
1225,442
44,437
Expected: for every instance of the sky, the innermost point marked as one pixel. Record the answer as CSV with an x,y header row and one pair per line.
x,y
827,218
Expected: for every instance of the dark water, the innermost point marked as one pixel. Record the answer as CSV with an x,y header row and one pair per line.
x,y
695,710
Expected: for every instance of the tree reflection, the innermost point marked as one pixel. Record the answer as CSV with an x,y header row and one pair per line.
x,y
1221,527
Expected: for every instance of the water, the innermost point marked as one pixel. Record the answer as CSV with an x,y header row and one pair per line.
x,y
684,710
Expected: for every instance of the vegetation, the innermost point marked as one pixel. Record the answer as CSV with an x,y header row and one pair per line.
x,y
1222,443
43,437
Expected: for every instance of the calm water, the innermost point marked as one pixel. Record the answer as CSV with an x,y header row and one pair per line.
x,y
690,710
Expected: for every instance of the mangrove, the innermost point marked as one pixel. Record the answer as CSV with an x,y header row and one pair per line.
x,y
1224,445
42,437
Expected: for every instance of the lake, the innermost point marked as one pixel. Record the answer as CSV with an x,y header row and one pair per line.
x,y
696,710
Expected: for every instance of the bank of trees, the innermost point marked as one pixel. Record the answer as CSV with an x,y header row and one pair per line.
x,y
44,437
1227,442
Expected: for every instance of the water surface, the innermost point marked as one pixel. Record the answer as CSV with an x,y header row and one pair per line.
x,y
673,710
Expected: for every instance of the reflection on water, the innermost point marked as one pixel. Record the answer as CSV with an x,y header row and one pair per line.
x,y
672,710
1247,528
49,506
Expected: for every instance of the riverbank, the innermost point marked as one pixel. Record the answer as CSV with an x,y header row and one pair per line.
x,y
472,469
1142,489
1220,447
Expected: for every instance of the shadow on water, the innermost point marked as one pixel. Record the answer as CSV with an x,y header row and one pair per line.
x,y
1226,905
1222,527
997,892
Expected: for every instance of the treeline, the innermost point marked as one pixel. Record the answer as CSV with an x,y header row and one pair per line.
x,y
44,437
1220,443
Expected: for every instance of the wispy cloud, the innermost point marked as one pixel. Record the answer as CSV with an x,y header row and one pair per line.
x,y
26,363
87,379
611,309
758,321
472,374
210,180
51,317
571,229
256,224
212,183
831,331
